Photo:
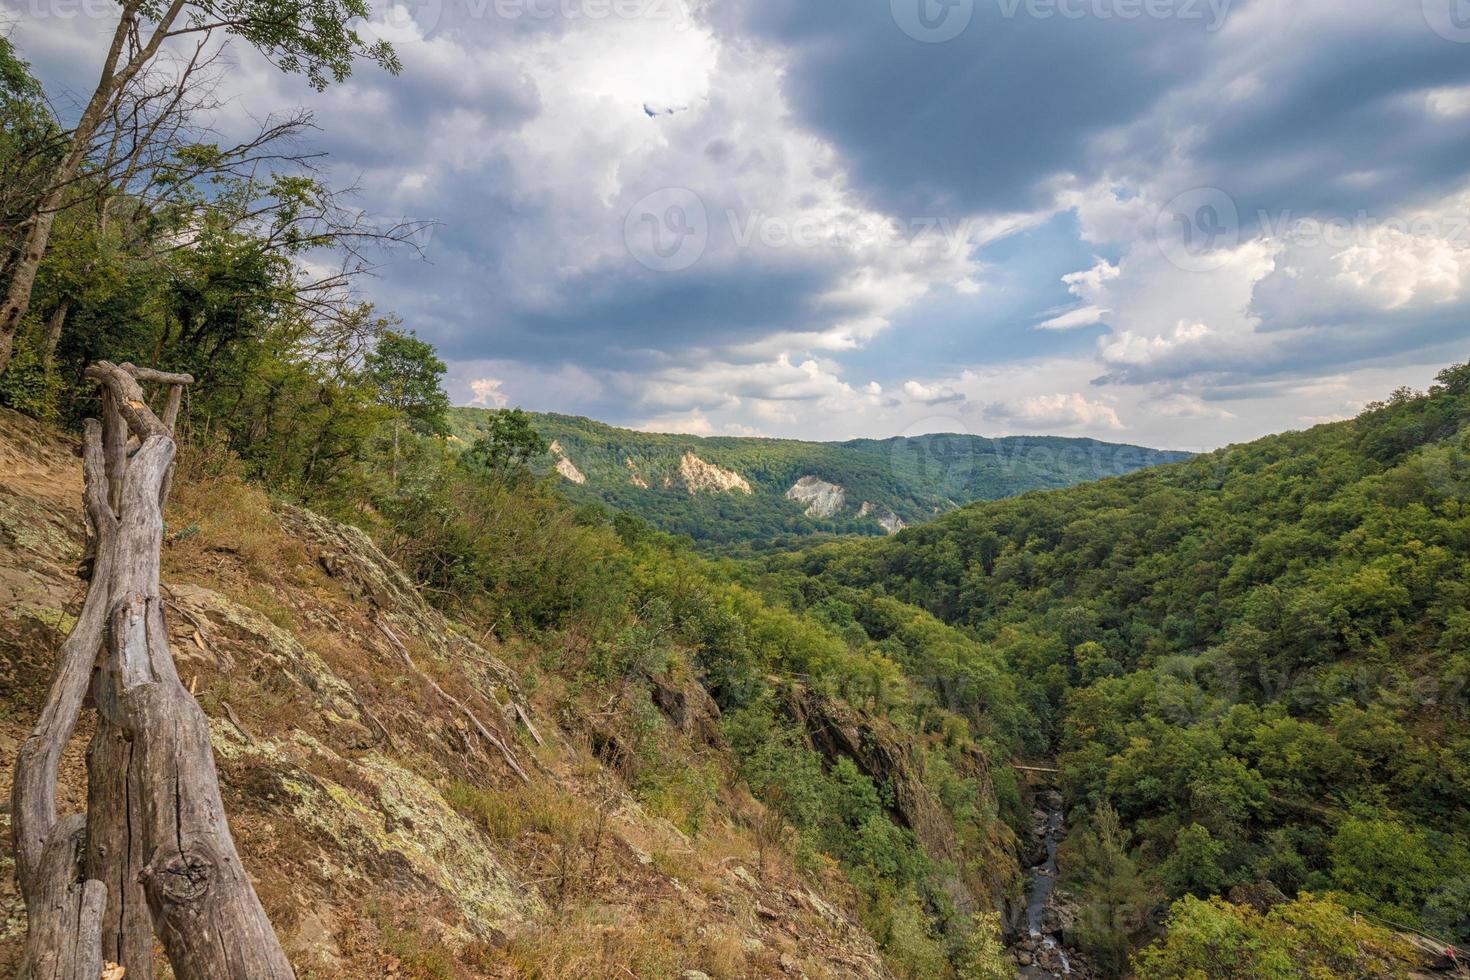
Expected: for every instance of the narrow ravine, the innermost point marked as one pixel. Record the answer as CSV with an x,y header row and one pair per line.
x,y
1039,949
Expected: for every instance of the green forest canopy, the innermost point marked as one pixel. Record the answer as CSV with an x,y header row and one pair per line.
x,y
912,478
1258,659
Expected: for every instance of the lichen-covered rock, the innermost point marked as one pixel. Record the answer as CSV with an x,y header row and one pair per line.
x,y
235,627
351,558
383,819
348,555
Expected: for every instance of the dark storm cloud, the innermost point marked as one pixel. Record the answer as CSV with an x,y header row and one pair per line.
x,y
617,319
978,122
981,121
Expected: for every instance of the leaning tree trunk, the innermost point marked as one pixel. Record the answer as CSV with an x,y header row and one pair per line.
x,y
153,854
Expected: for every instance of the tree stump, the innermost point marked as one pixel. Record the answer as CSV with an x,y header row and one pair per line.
x,y
153,855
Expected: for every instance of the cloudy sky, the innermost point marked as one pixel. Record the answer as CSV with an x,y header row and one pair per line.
x,y
1179,223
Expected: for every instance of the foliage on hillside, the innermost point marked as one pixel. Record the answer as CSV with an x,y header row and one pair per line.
x,y
1307,937
620,631
1257,658
673,682
912,478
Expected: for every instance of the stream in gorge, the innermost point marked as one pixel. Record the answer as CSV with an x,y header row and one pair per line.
x,y
1038,948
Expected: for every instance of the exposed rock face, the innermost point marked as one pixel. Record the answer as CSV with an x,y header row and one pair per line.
x,y
887,519
689,706
698,475
634,477
822,499
345,776
564,466
835,729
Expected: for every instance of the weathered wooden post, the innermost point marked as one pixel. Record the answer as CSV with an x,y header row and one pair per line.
x,y
153,853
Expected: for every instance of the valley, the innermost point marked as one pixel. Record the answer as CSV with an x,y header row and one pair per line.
x,y
738,494
321,658
1229,658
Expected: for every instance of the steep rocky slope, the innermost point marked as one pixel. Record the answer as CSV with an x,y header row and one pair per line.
x,y
369,753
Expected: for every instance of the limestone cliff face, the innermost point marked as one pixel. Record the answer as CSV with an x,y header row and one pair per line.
x,y
697,475
886,518
569,471
565,466
822,499
634,477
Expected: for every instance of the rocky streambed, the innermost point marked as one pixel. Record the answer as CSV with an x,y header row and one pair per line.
x,y
1038,944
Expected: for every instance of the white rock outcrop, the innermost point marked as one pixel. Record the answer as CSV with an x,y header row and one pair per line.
x,y
887,519
564,466
569,470
822,499
698,475
634,477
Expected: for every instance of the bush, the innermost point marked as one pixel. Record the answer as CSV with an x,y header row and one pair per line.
x,y
1304,938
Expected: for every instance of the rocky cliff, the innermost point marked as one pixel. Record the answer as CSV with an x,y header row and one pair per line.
x,y
697,475
371,755
822,499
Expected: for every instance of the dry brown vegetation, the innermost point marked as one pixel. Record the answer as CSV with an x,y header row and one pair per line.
x,y
385,839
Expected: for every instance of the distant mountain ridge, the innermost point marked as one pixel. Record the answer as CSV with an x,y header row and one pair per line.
x,y
732,490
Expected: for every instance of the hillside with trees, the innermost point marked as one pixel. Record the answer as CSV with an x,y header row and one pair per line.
x,y
1252,667
884,484
464,724
455,719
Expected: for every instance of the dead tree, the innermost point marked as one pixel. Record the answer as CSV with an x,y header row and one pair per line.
x,y
152,856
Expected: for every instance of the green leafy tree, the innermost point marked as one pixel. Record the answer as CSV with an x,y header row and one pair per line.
x,y
1385,866
405,373
1117,901
1300,939
508,447
1194,867
315,40
984,956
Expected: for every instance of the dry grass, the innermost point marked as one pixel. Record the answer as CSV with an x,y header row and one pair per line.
x,y
657,939
506,815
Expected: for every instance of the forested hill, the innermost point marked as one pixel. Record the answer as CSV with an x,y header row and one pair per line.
x,y
1253,665
732,490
